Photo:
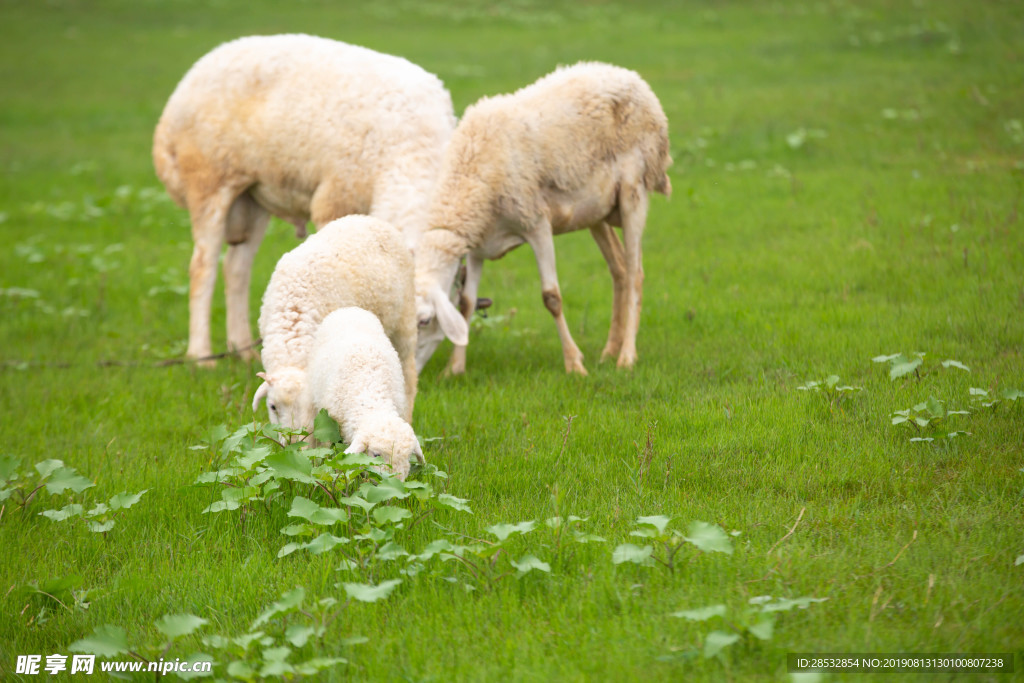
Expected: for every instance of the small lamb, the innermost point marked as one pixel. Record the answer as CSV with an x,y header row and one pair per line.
x,y
301,127
580,148
353,261
355,374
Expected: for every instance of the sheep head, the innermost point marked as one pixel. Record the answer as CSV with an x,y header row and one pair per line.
x,y
288,402
390,439
437,263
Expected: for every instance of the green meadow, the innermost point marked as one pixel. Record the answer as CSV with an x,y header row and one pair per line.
x,y
822,441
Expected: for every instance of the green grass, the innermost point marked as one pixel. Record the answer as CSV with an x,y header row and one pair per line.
x,y
893,226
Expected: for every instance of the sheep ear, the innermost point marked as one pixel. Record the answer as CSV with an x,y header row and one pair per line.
x,y
358,445
261,392
451,321
417,450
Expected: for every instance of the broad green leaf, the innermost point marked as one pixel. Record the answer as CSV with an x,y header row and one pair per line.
x,y
258,637
324,542
503,531
325,428
177,625
451,501
290,465
105,641
311,667
47,467
433,548
900,419
904,366
391,551
645,532
764,628
581,537
786,604
297,530
832,380
222,505
975,391
253,457
97,510
125,500
386,489
701,614
1012,394
356,501
934,407
275,663
365,592
241,671
64,513
627,552
289,602
350,461
556,522
659,522
528,563
716,641
64,478
388,514
219,476
299,634
310,511
100,527
708,537
955,364
289,548
1019,561
886,359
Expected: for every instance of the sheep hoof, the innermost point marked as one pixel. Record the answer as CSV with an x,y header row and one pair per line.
x,y
626,361
610,351
575,365
454,369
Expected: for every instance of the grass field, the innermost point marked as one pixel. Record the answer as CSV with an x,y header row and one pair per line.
x,y
847,184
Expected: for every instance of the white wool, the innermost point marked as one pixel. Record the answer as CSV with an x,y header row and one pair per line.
x,y
301,127
354,261
580,148
355,375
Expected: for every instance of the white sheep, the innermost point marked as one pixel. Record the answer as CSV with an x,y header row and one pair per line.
x,y
353,261
580,148
301,127
355,374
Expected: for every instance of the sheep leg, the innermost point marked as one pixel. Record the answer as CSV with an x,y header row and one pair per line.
x,y
633,202
407,356
467,306
543,245
208,221
246,226
611,249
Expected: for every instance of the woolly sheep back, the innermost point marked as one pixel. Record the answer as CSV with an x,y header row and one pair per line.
x,y
301,127
354,261
580,148
355,374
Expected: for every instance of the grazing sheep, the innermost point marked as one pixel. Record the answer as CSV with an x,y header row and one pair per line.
x,y
353,261
300,127
580,148
355,375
